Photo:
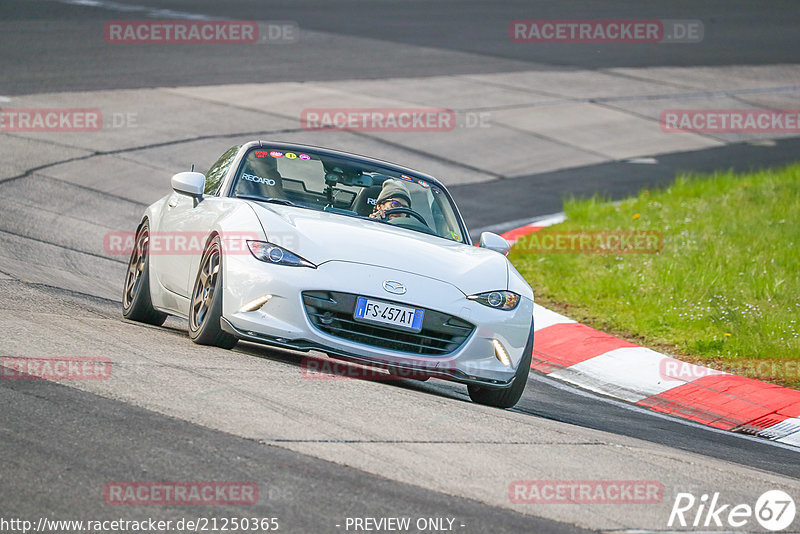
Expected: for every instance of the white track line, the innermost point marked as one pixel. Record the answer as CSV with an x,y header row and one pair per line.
x,y
147,11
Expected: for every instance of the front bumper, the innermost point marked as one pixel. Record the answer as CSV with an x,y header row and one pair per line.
x,y
283,321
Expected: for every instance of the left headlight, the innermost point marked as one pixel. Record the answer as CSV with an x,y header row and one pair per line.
x,y
500,300
271,253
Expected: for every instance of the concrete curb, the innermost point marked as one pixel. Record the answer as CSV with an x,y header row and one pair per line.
x,y
573,352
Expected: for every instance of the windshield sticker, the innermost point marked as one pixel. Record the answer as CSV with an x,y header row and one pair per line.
x,y
305,157
261,153
276,154
407,178
424,184
257,179
291,155
455,235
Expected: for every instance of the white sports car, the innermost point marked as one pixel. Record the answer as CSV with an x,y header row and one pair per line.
x,y
308,248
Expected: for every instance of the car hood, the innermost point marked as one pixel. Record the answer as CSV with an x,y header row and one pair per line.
x,y
320,237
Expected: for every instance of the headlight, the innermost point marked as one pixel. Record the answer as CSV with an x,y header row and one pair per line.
x,y
269,253
501,300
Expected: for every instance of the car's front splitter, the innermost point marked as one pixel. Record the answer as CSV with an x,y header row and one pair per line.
x,y
398,367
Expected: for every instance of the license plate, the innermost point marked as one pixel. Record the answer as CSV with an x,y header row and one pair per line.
x,y
376,311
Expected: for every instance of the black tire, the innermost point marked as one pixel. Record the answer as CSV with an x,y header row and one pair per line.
x,y
136,303
205,307
506,397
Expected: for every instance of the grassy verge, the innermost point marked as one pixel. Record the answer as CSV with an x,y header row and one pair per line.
x,y
724,291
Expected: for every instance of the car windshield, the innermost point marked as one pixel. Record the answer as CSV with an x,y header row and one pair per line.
x,y
347,187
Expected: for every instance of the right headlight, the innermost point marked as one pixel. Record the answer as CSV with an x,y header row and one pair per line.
x,y
500,300
271,253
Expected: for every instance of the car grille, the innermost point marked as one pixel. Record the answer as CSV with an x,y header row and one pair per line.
x,y
332,312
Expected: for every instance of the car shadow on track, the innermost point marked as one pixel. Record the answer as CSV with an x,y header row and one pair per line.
x,y
316,366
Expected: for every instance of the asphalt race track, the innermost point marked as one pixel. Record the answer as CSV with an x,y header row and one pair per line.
x,y
458,37
323,452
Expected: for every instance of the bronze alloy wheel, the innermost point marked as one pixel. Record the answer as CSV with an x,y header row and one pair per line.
x,y
205,287
136,267
205,309
136,303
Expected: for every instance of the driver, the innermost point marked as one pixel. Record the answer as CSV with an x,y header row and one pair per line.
x,y
393,195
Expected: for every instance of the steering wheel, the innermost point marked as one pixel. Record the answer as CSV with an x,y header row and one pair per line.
x,y
406,211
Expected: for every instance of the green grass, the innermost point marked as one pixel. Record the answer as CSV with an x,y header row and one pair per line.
x,y
725,289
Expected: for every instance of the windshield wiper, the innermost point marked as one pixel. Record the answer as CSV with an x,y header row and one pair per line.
x,y
273,200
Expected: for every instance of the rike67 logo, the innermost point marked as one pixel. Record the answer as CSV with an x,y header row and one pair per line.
x,y
774,510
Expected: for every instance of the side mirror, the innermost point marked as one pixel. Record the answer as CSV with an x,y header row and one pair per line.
x,y
495,242
191,184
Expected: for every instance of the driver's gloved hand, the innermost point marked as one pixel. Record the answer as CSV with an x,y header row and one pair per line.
x,y
378,214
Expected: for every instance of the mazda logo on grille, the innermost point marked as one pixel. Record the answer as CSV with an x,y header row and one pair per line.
x,y
394,287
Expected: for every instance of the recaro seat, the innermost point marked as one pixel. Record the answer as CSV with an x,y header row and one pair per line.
x,y
260,177
365,200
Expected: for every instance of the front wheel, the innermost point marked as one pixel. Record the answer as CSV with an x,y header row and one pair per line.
x,y
206,305
506,397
